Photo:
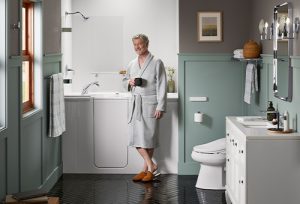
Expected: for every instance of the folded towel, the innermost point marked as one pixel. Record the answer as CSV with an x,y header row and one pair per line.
x,y
238,52
238,56
251,82
57,123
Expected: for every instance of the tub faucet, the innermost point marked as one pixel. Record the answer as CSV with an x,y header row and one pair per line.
x,y
85,89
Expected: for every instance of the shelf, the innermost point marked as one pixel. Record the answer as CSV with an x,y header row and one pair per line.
x,y
247,59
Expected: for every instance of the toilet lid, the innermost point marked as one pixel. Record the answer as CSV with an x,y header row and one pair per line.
x,y
211,147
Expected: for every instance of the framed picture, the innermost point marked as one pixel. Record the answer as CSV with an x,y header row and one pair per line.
x,y
209,26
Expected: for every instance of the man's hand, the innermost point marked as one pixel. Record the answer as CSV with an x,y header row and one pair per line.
x,y
158,114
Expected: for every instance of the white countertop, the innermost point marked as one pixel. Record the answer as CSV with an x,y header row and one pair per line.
x,y
260,133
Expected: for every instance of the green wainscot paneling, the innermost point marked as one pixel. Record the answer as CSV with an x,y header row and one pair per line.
x,y
40,158
52,153
219,78
3,161
14,72
31,155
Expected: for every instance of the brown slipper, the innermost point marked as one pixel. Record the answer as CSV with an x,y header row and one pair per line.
x,y
139,176
148,177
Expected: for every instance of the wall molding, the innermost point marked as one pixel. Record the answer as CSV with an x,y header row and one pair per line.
x,y
51,58
35,115
14,61
52,178
268,59
296,62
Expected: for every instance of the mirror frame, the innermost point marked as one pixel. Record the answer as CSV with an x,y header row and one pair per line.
x,y
290,53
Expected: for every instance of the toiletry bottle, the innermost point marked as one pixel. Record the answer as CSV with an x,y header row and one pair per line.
x,y
271,116
286,121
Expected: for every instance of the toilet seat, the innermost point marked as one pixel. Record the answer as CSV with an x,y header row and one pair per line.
x,y
214,147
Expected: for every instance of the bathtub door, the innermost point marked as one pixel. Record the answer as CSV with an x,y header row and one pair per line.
x,y
110,133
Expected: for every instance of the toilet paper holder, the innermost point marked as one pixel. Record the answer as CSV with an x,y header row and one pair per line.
x,y
198,117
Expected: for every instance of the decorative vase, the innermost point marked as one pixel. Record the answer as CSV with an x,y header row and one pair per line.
x,y
171,86
251,49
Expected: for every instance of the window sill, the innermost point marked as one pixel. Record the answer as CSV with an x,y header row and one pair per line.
x,y
31,113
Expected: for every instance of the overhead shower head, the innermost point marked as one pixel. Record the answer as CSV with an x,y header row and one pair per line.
x,y
71,13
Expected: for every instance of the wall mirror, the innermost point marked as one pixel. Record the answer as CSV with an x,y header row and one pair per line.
x,y
282,52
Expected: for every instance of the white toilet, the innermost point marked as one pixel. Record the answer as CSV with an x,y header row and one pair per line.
x,y
212,162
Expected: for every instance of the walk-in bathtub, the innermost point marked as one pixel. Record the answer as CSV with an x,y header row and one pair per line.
x,y
96,137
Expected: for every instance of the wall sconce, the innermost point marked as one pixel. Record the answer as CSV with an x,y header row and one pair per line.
x,y
284,29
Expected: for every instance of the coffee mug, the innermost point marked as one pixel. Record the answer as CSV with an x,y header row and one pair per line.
x,y
138,81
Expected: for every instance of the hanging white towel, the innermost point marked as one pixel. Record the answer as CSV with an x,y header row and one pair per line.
x,y
57,124
255,78
251,82
248,83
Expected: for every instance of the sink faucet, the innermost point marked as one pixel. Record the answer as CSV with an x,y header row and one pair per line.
x,y
85,89
278,117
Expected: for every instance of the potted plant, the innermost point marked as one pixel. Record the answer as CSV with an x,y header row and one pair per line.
x,y
171,82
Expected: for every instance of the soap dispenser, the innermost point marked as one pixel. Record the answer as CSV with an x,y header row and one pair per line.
x,y
286,127
271,116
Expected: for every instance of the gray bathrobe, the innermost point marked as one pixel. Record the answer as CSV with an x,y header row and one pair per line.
x,y
151,96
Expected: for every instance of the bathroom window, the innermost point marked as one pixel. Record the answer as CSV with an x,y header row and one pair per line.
x,y
27,56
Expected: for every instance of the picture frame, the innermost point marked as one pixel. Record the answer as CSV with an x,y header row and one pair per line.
x,y
209,25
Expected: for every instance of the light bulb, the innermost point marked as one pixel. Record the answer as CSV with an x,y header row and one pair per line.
x,y
266,30
287,26
266,24
287,21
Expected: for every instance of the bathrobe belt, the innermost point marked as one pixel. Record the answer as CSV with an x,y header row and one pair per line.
x,y
136,105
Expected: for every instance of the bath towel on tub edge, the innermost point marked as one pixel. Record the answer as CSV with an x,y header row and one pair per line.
x,y
57,124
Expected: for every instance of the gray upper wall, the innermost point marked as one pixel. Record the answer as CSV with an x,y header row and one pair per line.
x,y
52,26
240,23
236,18
13,35
264,10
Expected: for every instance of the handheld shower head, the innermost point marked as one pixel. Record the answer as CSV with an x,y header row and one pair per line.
x,y
77,12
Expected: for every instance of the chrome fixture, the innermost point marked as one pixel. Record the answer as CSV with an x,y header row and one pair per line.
x,y
85,89
284,27
71,13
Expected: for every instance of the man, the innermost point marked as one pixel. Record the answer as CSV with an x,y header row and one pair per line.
x,y
146,79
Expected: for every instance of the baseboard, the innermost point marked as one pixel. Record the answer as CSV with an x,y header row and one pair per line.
x,y
52,178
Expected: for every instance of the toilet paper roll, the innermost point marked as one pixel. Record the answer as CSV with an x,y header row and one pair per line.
x,y
198,117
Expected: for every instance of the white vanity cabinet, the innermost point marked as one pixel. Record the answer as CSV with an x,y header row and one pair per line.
x,y
235,164
261,167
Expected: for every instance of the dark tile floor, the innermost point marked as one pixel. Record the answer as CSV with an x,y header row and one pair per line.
x,y
111,189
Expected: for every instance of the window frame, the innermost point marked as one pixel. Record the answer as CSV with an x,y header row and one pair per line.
x,y
27,52
3,67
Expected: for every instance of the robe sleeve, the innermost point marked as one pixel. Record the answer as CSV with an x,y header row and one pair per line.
x,y
125,80
161,86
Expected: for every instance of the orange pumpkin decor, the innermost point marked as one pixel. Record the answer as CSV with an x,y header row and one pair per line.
x,y
251,49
